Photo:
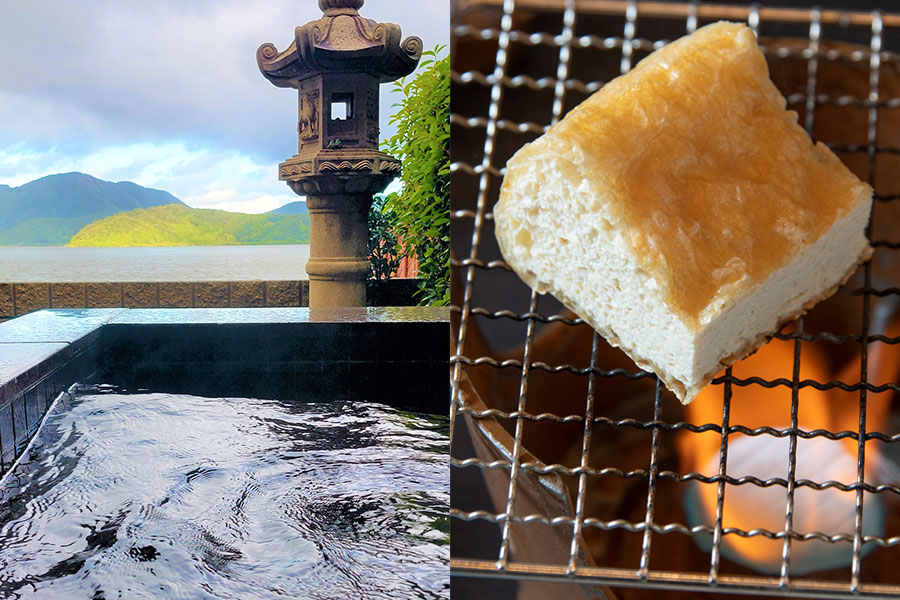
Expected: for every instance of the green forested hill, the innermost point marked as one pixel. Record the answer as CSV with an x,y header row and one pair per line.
x,y
44,231
180,225
50,210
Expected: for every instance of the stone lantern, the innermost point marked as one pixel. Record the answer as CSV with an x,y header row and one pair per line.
x,y
337,64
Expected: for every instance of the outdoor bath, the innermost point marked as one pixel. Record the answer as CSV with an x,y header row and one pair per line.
x,y
229,453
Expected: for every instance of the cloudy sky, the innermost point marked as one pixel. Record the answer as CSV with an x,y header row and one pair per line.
x,y
164,93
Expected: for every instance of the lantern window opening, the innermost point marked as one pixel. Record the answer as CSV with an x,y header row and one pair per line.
x,y
341,106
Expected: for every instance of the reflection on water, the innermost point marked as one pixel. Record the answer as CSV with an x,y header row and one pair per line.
x,y
172,496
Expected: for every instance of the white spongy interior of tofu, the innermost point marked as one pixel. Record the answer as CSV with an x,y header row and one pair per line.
x,y
556,232
554,229
817,268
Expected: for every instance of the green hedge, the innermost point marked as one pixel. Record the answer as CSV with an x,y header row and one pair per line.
x,y
421,210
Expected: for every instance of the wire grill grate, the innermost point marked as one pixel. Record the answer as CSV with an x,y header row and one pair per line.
x,y
488,125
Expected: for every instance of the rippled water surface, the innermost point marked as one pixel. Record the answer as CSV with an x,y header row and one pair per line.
x,y
171,496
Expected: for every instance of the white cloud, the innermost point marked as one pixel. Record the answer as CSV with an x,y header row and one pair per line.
x,y
165,93
104,72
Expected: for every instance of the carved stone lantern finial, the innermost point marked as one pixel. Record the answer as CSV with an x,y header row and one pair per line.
x,y
337,64
326,5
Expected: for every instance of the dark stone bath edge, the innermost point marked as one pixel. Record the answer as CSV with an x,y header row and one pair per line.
x,y
393,355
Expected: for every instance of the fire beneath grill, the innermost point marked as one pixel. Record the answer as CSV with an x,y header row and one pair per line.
x,y
825,462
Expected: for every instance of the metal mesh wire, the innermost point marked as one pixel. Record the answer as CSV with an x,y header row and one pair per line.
x,y
513,310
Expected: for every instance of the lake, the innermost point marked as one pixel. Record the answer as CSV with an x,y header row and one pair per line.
x,y
58,264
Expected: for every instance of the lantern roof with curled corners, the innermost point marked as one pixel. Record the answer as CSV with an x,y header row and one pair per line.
x,y
341,42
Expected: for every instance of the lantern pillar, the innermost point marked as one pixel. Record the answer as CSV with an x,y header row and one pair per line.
x,y
337,64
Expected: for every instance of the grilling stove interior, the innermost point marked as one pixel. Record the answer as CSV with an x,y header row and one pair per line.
x,y
607,479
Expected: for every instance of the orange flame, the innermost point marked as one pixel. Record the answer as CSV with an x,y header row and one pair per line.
x,y
749,506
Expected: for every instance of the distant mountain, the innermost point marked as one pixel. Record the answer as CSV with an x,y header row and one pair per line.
x,y
180,225
50,210
291,208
